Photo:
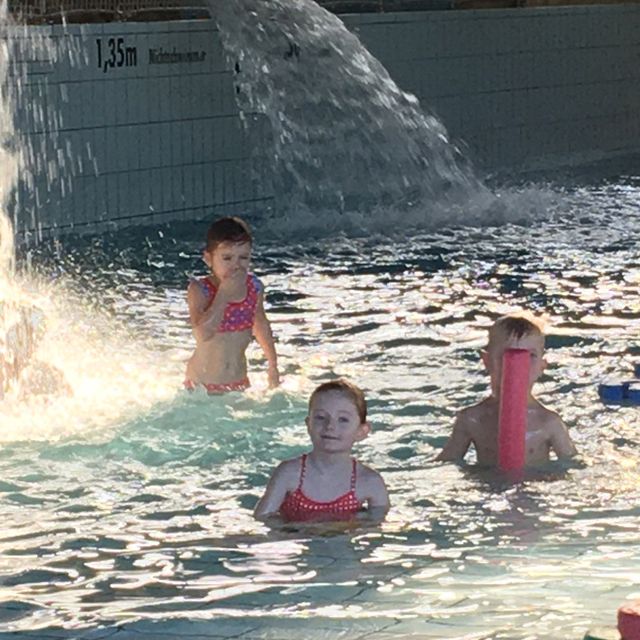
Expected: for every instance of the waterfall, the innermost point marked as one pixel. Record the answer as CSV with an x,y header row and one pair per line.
x,y
345,137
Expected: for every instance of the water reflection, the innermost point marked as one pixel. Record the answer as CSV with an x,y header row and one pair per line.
x,y
133,500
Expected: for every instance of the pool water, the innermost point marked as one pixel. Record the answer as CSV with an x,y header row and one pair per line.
x,y
126,507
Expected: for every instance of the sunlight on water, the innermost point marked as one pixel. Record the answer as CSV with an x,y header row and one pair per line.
x,y
126,502
157,522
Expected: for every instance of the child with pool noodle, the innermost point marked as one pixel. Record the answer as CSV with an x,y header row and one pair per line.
x,y
479,424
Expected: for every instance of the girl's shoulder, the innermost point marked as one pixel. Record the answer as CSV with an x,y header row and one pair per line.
x,y
288,471
370,486
202,285
257,283
292,463
366,474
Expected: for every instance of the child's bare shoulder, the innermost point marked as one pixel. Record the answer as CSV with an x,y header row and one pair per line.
x,y
195,291
367,473
547,418
288,471
369,478
195,287
475,414
290,466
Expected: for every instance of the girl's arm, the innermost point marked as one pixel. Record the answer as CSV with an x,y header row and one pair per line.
x,y
372,487
262,333
204,320
276,491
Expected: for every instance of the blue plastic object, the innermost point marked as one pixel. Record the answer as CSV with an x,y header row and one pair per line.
x,y
613,391
636,370
632,393
624,393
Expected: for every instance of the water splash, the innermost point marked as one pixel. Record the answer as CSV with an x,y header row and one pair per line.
x,y
66,365
351,151
345,136
8,155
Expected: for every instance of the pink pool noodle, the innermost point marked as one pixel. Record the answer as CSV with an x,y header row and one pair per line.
x,y
629,620
514,395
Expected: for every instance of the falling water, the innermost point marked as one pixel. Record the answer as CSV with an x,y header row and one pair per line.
x,y
345,136
350,150
8,155
8,176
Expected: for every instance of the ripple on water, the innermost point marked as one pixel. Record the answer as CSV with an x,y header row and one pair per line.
x,y
145,512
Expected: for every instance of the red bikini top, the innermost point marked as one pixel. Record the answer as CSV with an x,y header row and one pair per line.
x,y
297,507
238,316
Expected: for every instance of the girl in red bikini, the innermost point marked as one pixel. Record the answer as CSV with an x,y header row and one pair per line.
x,y
328,483
226,308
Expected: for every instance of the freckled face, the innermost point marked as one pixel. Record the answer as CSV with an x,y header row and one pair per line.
x,y
228,259
333,422
533,343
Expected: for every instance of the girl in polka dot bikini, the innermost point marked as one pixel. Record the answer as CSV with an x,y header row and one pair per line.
x,y
327,483
226,308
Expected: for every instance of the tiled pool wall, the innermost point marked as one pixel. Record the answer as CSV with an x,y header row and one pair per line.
x,y
141,125
521,87
147,128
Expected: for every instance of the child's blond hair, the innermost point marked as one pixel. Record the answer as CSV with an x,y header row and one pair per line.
x,y
515,325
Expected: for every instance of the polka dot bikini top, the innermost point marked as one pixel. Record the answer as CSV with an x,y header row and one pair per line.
x,y
238,316
297,507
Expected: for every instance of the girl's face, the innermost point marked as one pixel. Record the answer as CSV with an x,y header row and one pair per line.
x,y
533,343
228,259
333,423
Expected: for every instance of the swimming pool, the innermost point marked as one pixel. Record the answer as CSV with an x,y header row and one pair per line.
x,y
127,508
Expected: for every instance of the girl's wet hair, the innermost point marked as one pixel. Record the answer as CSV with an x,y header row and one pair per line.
x,y
516,326
229,229
352,391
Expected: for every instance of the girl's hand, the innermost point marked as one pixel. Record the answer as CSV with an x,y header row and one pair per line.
x,y
234,286
273,376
